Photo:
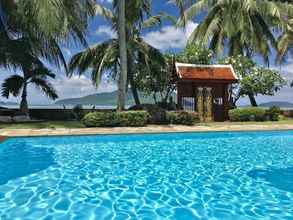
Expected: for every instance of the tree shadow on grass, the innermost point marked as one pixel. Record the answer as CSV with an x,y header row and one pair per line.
x,y
279,178
19,160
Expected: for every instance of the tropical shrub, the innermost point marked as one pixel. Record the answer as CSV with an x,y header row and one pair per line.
x,y
100,119
247,114
112,119
273,113
132,118
157,114
182,117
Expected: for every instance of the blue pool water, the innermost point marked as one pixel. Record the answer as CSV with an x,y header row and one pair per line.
x,y
237,175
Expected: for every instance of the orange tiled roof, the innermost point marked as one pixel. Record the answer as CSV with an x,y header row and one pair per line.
x,y
206,72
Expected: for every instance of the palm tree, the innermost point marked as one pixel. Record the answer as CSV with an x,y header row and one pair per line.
x,y
43,19
244,26
104,58
31,30
33,73
122,55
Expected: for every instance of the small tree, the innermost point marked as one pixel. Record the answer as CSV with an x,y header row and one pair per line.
x,y
254,80
195,54
156,78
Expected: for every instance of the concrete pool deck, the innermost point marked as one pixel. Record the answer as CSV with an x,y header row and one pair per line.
x,y
9,132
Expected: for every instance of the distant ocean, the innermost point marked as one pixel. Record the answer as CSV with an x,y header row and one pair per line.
x,y
61,106
88,107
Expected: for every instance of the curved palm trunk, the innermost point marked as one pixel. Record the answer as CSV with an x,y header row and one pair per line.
x,y
123,55
252,100
23,104
131,79
134,92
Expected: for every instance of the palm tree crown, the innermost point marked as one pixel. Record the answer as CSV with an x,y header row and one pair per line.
x,y
244,26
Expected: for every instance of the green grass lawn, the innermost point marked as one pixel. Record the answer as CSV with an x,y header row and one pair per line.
x,y
285,121
76,124
47,124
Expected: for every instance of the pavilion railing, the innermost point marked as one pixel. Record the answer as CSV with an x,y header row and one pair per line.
x,y
188,104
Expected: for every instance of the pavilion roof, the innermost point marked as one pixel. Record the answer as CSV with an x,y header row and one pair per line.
x,y
206,72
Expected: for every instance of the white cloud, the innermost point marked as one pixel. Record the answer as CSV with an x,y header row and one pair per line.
x,y
170,37
106,30
80,86
66,88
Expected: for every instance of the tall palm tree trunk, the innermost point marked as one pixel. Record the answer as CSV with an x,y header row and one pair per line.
x,y
23,103
134,92
131,79
123,55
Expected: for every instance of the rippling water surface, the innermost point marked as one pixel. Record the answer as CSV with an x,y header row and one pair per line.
x,y
160,176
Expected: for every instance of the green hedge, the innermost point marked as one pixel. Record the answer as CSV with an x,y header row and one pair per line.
x,y
273,113
112,119
133,118
100,119
182,117
248,114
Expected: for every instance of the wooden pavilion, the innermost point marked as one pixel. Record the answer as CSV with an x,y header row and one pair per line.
x,y
205,89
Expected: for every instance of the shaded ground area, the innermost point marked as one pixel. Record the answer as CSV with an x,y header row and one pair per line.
x,y
279,178
40,125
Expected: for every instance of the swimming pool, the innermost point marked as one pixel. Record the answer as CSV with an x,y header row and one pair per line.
x,y
223,175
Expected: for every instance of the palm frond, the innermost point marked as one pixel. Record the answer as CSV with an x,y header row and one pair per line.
x,y
46,87
104,12
12,85
98,58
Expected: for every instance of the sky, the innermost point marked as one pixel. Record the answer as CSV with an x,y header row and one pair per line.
x,y
167,38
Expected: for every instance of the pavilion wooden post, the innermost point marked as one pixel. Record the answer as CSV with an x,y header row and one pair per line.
x,y
200,103
179,96
226,102
208,105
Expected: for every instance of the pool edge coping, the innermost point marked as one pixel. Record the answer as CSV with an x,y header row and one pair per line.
x,y
13,133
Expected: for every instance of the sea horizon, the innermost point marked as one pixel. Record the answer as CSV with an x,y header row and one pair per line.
x,y
53,106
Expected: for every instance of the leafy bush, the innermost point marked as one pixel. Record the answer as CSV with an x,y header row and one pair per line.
x,y
157,114
112,119
133,118
273,113
247,114
100,119
182,117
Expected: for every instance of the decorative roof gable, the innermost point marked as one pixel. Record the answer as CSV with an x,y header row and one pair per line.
x,y
206,72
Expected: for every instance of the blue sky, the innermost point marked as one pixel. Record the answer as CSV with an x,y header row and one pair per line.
x,y
166,38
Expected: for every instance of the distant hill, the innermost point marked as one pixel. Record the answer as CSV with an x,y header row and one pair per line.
x,y
8,103
103,99
280,104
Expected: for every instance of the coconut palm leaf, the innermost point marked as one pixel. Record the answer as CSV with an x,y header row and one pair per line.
x,y
45,87
104,12
12,85
100,59
245,26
